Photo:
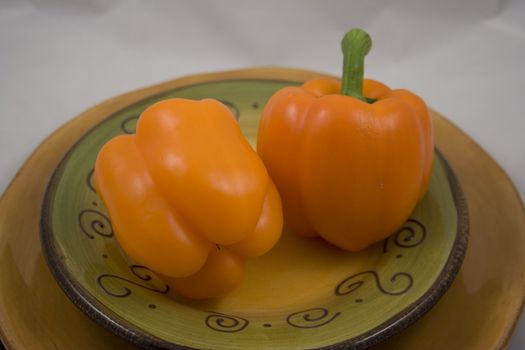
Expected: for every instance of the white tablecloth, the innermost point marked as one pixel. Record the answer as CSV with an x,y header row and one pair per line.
x,y
59,57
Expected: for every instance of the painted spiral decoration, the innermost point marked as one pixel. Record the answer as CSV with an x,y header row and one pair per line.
x,y
311,318
399,284
141,272
225,323
94,222
412,234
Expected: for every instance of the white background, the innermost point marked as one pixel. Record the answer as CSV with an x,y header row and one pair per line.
x,y
59,57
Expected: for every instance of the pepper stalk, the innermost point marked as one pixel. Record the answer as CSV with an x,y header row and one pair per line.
x,y
355,45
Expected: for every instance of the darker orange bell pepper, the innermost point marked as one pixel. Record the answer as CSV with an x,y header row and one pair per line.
x,y
352,161
188,197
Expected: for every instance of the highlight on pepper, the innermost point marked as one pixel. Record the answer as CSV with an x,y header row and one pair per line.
x,y
351,158
188,197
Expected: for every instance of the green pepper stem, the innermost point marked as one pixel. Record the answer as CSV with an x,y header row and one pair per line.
x,y
356,44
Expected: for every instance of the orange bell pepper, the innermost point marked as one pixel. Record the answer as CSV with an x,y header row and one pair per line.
x,y
352,161
188,197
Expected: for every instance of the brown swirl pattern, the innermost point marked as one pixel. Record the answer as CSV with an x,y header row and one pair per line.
x,y
311,318
354,282
225,323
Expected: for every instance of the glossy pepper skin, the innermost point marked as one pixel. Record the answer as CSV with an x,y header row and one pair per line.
x,y
349,170
188,197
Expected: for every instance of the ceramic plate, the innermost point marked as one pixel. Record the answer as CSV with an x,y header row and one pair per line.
x,y
303,294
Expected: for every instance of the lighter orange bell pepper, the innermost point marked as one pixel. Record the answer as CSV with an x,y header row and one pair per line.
x,y
350,162
188,197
